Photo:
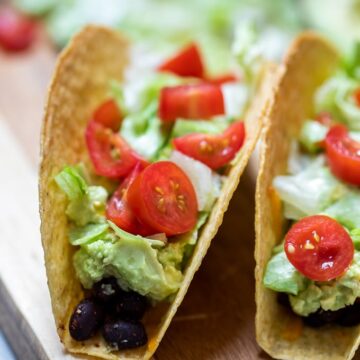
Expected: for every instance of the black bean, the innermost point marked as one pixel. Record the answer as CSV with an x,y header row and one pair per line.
x,y
124,334
106,290
321,318
86,319
350,315
130,306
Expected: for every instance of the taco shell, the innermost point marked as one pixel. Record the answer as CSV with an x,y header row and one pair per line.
x,y
309,61
80,83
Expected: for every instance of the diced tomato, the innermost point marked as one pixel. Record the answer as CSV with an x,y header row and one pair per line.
x,y
343,154
325,118
17,32
187,62
357,97
108,114
163,197
200,101
214,151
119,212
223,79
110,154
319,247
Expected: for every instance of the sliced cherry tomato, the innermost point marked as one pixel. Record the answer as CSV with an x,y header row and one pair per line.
x,y
163,197
119,212
187,62
214,151
357,97
17,32
325,118
200,101
111,155
223,79
343,154
109,115
319,247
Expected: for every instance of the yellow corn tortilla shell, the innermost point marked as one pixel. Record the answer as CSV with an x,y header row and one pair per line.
x,y
309,61
79,85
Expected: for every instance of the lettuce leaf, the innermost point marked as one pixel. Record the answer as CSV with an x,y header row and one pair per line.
x,y
336,96
86,203
312,133
281,276
310,191
346,210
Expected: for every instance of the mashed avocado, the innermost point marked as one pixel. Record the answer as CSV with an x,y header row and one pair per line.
x,y
332,295
132,260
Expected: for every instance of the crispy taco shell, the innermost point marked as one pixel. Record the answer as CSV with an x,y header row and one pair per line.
x,y
309,61
79,84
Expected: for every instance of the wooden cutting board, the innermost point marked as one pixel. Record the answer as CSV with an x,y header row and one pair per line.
x,y
216,319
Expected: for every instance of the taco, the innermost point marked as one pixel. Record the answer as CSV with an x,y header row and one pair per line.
x,y
137,171
308,208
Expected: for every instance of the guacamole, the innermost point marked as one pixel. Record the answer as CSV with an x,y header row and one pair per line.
x,y
140,264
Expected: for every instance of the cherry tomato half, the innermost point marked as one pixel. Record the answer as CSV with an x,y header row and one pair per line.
x,y
199,101
163,197
110,154
17,32
343,154
119,212
319,247
223,79
187,62
108,114
357,97
214,151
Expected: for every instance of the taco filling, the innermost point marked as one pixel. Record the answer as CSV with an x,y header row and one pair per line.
x,y
316,268
162,143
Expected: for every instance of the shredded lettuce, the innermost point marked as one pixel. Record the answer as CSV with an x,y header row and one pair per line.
x,y
281,276
207,184
236,98
346,210
308,192
144,132
86,234
355,236
86,203
215,126
36,7
336,96
312,133
246,50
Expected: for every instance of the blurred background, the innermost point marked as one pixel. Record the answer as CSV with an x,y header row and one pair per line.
x,y
32,33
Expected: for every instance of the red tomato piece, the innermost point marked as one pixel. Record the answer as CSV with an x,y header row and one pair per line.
x,y
325,118
319,247
187,62
119,212
223,79
214,151
357,97
199,101
110,154
108,114
343,154
163,197
17,32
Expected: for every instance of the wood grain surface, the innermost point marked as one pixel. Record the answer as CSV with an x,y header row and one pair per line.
x,y
216,319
